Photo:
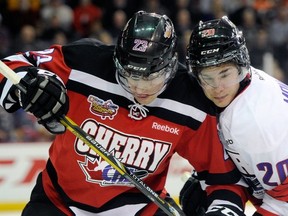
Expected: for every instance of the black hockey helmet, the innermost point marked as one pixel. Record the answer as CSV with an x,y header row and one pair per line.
x,y
145,47
215,42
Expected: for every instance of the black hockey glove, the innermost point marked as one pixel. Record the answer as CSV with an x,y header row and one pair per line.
x,y
193,198
224,211
46,98
171,201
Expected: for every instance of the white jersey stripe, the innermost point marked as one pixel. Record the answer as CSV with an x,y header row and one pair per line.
x,y
96,82
123,210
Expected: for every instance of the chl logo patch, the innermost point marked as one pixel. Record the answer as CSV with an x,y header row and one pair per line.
x,y
100,172
104,109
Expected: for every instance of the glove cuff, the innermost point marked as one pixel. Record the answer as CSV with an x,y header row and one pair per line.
x,y
221,210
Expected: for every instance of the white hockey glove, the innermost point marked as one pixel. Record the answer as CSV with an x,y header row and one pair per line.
x,y
45,98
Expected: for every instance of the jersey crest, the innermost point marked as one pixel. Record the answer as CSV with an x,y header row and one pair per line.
x,y
141,155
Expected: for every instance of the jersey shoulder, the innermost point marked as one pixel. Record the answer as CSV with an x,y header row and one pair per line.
x,y
257,115
186,89
263,94
89,53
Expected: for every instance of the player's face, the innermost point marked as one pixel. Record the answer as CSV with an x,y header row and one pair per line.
x,y
220,83
145,91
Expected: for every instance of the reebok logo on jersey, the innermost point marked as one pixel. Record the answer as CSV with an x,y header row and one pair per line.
x,y
229,141
165,128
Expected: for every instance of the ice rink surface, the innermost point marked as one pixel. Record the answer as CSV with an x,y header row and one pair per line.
x,y
249,212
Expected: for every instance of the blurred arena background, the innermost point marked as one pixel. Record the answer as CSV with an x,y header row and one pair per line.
x,y
36,24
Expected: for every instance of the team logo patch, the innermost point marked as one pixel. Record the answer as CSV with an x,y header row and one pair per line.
x,y
207,33
104,109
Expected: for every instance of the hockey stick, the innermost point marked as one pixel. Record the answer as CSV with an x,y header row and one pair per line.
x,y
100,150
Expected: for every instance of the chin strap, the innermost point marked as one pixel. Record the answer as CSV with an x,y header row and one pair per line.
x,y
137,111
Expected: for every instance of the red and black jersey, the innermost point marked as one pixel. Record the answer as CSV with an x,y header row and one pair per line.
x,y
180,120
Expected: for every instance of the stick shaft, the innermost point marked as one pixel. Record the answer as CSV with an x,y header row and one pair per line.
x,y
117,165
9,73
12,76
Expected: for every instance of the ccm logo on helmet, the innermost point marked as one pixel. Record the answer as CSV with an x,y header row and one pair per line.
x,y
136,68
205,52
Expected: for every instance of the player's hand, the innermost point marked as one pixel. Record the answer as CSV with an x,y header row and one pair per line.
x,y
194,201
45,98
193,198
257,214
223,210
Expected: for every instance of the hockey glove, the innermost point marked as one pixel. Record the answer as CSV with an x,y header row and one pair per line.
x,y
224,211
193,198
171,201
257,214
46,98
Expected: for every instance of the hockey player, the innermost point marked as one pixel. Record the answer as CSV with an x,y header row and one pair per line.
x,y
252,108
139,103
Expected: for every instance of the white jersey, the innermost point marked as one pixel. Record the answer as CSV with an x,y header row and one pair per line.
x,y
254,131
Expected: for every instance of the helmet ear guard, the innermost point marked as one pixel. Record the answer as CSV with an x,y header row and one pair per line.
x,y
216,42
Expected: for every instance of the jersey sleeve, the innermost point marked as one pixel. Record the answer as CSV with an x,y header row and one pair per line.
x,y
50,59
216,172
255,136
275,199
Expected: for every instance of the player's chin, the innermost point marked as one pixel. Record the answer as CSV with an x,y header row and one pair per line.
x,y
144,100
221,102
